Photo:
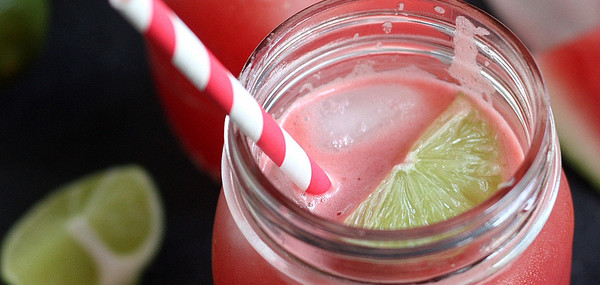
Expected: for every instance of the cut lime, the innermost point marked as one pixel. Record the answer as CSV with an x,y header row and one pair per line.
x,y
101,229
453,167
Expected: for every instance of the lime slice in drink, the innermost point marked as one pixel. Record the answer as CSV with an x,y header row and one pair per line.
x,y
453,167
101,229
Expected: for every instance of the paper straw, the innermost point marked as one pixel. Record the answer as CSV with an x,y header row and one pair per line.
x,y
159,24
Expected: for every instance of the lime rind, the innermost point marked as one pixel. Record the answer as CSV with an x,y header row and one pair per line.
x,y
60,241
25,250
453,167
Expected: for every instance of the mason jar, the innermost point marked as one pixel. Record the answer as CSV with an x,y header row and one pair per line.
x,y
521,234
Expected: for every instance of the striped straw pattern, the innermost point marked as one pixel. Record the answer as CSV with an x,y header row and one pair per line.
x,y
165,30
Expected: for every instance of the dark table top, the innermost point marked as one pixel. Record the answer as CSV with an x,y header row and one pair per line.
x,y
88,103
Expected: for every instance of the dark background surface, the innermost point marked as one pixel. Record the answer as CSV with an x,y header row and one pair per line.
x,y
88,103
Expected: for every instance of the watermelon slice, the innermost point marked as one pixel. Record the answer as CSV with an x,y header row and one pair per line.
x,y
572,74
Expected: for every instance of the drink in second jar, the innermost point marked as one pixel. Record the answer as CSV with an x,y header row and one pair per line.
x,y
231,29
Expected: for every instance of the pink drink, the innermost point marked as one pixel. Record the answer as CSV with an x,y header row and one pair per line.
x,y
360,129
231,29
359,155
356,92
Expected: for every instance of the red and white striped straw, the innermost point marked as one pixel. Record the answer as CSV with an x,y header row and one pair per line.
x,y
159,24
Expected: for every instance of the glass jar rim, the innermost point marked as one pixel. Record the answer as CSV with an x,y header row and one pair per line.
x,y
318,230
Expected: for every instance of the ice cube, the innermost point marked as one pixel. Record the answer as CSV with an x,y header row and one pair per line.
x,y
351,118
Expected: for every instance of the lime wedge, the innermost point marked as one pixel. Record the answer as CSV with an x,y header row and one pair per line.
x,y
101,229
453,167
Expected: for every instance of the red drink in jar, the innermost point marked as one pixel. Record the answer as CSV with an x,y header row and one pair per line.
x,y
268,233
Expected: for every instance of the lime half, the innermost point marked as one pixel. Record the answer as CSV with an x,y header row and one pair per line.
x,y
101,229
453,167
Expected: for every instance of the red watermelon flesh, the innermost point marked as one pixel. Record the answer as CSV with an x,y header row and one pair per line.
x,y
572,74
